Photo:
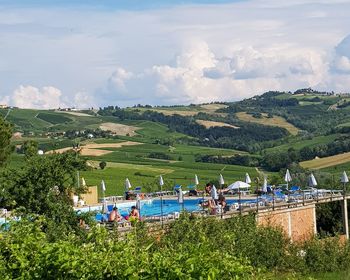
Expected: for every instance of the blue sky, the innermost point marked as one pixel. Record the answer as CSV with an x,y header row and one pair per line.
x,y
64,53
110,4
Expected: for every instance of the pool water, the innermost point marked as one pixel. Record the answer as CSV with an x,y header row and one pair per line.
x,y
170,206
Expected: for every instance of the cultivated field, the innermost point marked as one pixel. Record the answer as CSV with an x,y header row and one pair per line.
x,y
119,129
77,114
213,107
189,111
325,162
274,121
299,143
96,150
209,124
177,112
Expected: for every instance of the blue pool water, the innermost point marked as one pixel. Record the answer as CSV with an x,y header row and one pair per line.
x,y
153,208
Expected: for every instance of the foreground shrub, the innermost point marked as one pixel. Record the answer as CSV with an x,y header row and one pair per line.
x,y
190,248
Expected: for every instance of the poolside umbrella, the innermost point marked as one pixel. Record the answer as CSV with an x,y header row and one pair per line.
x,y
287,177
221,180
264,188
180,196
312,181
104,206
344,178
127,185
247,179
161,182
83,183
238,185
196,181
214,193
103,186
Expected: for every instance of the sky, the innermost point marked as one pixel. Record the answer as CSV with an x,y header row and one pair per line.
x,y
166,52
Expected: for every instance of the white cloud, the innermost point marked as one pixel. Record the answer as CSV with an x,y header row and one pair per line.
x,y
31,97
82,100
199,75
341,61
190,53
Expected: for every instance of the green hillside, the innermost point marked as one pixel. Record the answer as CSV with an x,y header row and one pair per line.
x,y
269,132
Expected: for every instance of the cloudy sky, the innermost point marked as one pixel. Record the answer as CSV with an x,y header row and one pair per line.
x,y
123,52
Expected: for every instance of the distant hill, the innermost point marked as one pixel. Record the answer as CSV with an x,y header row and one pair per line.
x,y
269,131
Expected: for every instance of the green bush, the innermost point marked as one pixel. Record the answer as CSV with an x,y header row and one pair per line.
x,y
189,248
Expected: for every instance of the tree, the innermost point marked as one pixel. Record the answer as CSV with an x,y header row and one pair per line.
x,y
5,140
43,186
30,148
103,164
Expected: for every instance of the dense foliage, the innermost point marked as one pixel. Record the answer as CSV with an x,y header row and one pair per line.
x,y
244,160
245,138
43,186
274,161
5,138
190,248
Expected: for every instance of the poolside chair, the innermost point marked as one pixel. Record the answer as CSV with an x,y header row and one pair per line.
x,y
137,190
192,190
294,189
279,196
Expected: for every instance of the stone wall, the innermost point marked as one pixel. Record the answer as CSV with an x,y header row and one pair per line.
x,y
298,223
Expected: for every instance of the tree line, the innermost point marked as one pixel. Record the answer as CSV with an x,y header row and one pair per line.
x,y
246,138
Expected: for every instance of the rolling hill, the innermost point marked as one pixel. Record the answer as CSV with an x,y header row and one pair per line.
x,y
267,132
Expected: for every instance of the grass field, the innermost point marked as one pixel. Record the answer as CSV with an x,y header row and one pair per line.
x,y
147,175
274,121
53,118
326,161
298,144
132,162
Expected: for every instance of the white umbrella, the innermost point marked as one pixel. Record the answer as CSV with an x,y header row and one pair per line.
x,y
103,186
127,185
196,181
161,182
221,180
344,178
83,183
264,188
104,206
214,193
312,181
238,185
180,196
287,177
247,179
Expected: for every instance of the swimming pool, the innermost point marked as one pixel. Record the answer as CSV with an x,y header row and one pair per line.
x,y
170,206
